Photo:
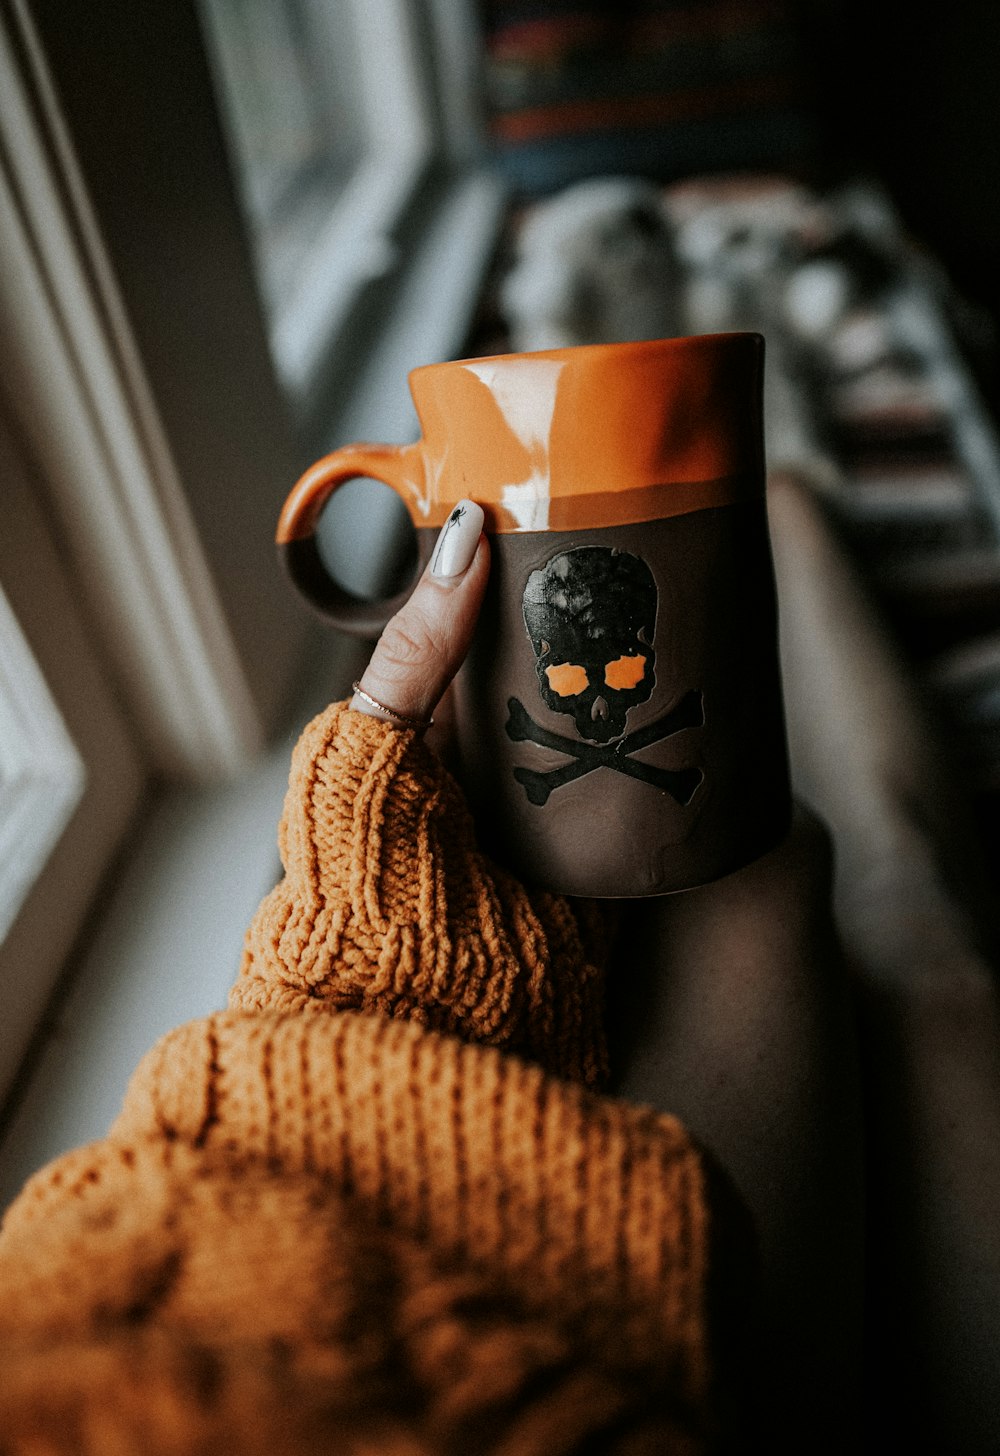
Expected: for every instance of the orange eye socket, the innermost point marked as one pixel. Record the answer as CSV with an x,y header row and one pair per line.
x,y
625,672
567,680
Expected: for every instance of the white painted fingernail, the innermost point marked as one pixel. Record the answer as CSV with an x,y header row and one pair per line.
x,y
456,545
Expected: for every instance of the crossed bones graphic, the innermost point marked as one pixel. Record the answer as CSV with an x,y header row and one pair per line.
x,y
680,784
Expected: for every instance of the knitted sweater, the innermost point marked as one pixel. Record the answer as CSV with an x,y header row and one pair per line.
x,y
378,1204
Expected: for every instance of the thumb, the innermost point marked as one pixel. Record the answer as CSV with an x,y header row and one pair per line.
x,y
425,643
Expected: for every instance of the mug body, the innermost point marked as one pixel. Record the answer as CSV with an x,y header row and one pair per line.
x,y
651,756
619,717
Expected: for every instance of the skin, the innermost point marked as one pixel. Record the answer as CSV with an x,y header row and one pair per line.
x,y
730,1008
916,907
425,643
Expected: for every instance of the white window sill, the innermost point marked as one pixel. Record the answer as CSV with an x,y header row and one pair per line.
x,y
167,945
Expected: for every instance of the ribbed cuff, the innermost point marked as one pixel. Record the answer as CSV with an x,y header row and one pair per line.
x,y
388,907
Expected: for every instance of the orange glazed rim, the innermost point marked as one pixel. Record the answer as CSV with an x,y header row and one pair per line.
x,y
634,347
584,437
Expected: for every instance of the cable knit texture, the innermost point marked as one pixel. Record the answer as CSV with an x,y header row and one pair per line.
x,y
373,1207
387,906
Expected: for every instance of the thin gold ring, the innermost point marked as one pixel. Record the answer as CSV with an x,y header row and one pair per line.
x,y
391,713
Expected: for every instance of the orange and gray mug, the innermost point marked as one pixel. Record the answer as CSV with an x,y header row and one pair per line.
x,y
619,718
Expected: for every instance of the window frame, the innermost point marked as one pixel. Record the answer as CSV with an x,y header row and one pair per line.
x,y
82,754
401,145
126,457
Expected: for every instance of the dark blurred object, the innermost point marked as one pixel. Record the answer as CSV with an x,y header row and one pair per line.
x,y
673,89
577,88
595,264
869,399
912,100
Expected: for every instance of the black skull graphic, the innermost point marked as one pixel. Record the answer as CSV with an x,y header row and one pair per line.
x,y
591,614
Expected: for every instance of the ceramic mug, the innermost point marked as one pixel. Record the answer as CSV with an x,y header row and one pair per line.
x,y
619,718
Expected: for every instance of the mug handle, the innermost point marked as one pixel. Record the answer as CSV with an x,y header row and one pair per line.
x,y
298,551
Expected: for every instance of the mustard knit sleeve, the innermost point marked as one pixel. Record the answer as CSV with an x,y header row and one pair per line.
x,y
388,907
309,1232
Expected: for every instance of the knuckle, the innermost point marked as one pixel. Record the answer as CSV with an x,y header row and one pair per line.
x,y
407,643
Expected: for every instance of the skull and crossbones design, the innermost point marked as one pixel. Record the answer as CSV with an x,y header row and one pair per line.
x,y
590,614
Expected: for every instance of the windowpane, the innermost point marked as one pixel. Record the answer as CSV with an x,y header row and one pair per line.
x,y
285,74
42,775
70,777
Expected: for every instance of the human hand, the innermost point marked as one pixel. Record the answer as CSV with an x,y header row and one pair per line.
x,y
388,905
425,643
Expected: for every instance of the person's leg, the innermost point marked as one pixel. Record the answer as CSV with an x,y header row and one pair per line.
x,y
729,1007
917,912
